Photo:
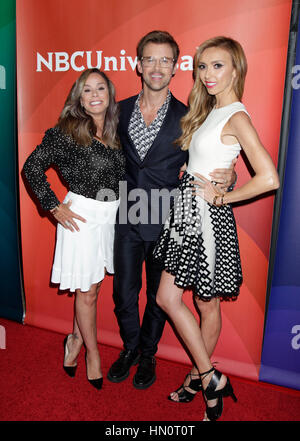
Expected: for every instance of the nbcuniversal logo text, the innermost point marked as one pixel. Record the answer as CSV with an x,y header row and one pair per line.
x,y
81,60
2,77
296,78
295,342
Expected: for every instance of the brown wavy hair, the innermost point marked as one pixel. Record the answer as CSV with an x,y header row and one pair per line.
x,y
74,121
200,102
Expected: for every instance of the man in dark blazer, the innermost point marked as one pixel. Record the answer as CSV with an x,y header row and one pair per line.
x,y
149,124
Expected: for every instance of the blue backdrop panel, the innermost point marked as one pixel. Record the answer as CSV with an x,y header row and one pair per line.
x,y
281,349
11,294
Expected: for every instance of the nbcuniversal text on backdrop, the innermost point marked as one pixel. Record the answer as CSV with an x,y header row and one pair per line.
x,y
81,60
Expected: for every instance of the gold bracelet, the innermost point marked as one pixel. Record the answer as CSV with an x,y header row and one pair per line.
x,y
224,203
221,200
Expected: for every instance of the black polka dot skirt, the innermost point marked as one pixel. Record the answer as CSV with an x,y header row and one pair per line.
x,y
199,245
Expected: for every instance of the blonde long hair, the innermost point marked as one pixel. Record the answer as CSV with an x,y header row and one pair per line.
x,y
74,121
200,102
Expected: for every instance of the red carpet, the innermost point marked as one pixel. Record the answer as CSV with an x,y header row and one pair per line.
x,y
34,387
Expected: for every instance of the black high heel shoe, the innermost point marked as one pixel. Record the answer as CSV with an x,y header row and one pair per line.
x,y
97,382
184,395
69,370
210,393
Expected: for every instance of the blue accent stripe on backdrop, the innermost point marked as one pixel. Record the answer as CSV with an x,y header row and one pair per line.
x,y
281,349
11,293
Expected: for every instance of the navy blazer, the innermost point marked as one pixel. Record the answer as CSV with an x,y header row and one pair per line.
x,y
141,203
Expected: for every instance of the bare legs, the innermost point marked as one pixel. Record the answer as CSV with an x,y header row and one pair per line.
x,y
210,325
211,322
200,341
169,298
85,331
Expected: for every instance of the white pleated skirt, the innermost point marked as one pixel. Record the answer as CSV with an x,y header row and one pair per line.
x,y
81,257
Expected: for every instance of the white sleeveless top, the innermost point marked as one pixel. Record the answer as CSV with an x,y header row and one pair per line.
x,y
206,151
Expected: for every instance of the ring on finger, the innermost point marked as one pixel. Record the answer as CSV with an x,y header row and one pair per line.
x,y
67,223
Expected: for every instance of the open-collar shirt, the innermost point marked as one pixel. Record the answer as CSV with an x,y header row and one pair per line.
x,y
142,135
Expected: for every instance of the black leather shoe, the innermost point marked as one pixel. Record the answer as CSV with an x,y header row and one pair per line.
x,y
119,370
145,374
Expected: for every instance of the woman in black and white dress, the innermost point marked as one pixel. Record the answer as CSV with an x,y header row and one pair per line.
x,y
85,148
198,245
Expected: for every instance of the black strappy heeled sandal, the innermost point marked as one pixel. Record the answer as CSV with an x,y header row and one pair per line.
x,y
210,393
185,396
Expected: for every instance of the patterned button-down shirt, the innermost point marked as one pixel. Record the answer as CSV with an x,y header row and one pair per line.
x,y
142,135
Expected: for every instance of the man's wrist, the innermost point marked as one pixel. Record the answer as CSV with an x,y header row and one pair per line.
x,y
231,187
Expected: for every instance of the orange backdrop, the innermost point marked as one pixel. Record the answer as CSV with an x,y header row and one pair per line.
x,y
55,41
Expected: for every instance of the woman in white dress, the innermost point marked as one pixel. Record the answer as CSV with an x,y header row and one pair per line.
x,y
198,245
85,148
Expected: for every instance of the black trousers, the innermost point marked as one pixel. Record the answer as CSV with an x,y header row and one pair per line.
x,y
130,252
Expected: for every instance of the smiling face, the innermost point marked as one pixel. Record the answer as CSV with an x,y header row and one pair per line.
x,y
95,95
156,77
217,72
